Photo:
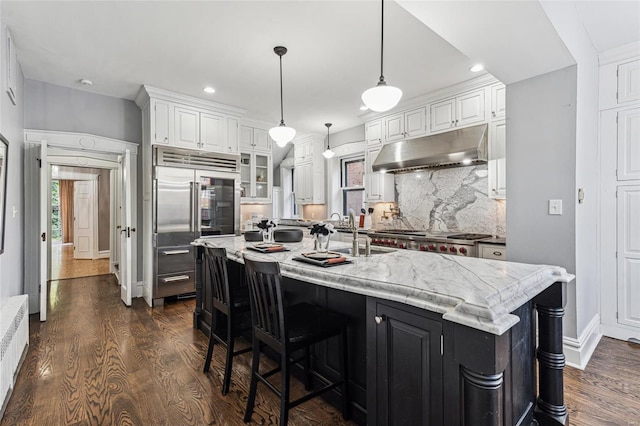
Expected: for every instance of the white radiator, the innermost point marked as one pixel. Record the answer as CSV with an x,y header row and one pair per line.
x,y
14,340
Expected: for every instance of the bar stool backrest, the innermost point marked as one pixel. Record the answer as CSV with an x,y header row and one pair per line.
x,y
216,259
267,302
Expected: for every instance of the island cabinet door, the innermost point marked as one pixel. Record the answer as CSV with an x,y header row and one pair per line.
x,y
405,363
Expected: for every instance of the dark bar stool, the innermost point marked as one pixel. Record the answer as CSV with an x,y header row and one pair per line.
x,y
286,330
227,301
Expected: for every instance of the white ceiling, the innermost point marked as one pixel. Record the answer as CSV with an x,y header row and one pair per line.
x,y
333,48
183,46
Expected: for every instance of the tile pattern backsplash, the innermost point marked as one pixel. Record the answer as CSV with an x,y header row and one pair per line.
x,y
448,200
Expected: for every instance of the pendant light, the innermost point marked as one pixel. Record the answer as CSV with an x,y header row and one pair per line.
x,y
382,97
328,153
281,133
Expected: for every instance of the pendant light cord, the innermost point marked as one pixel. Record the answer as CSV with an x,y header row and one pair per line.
x,y
281,101
382,43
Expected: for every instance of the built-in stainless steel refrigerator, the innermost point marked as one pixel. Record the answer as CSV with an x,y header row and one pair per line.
x,y
189,203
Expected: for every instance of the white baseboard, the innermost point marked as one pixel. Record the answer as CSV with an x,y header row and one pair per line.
x,y
578,351
102,254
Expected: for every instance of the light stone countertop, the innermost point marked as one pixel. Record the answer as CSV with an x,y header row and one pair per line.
x,y
479,293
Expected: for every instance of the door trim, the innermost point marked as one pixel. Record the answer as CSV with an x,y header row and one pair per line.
x,y
73,149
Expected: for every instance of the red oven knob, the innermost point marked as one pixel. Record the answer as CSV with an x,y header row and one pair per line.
x,y
375,241
453,249
463,250
387,242
394,243
423,248
443,248
432,247
401,245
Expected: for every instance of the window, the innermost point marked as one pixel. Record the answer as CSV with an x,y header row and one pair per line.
x,y
56,222
352,178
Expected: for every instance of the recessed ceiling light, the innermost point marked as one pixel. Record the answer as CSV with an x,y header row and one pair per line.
x,y
476,68
86,82
364,108
209,89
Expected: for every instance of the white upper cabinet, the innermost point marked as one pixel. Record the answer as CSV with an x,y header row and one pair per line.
x,y
405,125
629,81
498,101
160,122
497,159
378,186
212,132
254,139
373,132
629,144
186,127
461,111
309,182
185,122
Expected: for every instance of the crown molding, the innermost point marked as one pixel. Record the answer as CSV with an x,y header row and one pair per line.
x,y
628,51
148,92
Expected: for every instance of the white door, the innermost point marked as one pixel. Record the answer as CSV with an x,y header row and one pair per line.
x,y
44,222
211,135
629,255
83,219
125,232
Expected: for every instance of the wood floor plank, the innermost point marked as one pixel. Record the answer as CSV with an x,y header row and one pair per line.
x,y
97,362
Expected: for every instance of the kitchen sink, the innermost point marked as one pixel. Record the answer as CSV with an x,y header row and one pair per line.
x,y
347,250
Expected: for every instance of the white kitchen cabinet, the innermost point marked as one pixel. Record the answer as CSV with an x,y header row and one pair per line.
x,y
233,135
378,186
160,122
498,101
252,138
309,182
256,173
461,111
373,132
629,81
497,159
408,124
492,251
628,144
196,129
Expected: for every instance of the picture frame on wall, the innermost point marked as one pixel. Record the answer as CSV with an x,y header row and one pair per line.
x,y
4,152
11,62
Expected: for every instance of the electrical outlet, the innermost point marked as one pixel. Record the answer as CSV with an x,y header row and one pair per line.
x,y
555,206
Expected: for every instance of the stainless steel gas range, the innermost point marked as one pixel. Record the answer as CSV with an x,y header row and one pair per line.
x,y
445,243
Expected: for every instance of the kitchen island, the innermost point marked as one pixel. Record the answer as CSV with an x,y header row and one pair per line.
x,y
434,338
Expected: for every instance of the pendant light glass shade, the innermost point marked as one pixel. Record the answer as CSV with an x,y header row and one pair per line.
x,y
382,97
281,133
328,153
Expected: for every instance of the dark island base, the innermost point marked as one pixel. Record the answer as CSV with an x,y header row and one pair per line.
x,y
409,366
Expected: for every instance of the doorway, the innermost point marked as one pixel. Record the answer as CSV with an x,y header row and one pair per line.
x,y
80,222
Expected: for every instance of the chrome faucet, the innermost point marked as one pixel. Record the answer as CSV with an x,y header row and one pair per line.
x,y
355,249
339,217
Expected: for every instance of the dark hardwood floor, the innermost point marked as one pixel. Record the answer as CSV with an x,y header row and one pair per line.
x,y
97,362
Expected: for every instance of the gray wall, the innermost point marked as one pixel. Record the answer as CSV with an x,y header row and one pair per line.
x,y
541,159
354,134
58,108
12,128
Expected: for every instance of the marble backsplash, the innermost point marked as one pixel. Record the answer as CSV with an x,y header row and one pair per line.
x,y
448,200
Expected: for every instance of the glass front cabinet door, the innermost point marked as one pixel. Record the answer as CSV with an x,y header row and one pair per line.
x,y
255,178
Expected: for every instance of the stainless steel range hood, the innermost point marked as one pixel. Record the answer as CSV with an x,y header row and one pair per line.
x,y
457,148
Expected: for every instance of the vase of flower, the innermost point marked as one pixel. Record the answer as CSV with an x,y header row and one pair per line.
x,y
322,233
266,228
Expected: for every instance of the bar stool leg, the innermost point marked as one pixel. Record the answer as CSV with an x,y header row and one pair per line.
x,y
344,369
254,380
207,361
227,368
284,392
307,367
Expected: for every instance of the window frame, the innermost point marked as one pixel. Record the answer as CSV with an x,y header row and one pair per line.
x,y
345,190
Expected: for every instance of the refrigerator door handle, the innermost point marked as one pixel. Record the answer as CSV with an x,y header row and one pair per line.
x,y
192,207
196,204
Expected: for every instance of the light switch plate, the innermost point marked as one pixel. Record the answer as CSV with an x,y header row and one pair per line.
x,y
555,206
